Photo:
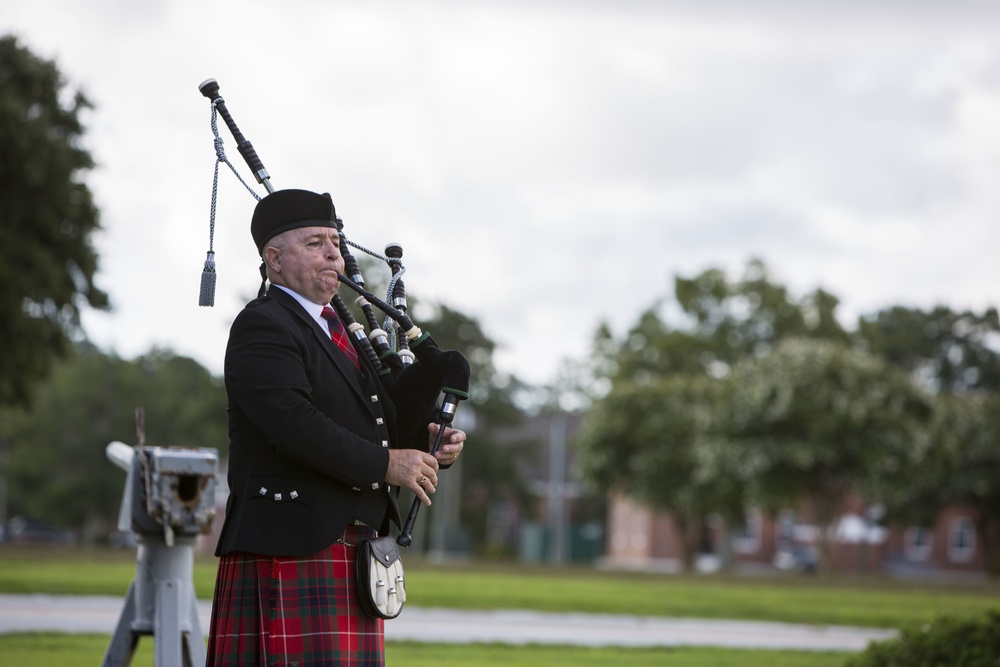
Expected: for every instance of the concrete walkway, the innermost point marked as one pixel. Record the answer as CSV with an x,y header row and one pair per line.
x,y
99,614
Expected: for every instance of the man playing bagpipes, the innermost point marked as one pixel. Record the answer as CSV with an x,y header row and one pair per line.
x,y
315,458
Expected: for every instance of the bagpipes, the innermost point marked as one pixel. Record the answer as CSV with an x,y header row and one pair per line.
x,y
415,371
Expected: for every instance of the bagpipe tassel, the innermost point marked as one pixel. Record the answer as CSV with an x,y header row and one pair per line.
x,y
207,295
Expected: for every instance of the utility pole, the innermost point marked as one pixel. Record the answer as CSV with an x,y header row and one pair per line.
x,y
447,499
557,488
4,473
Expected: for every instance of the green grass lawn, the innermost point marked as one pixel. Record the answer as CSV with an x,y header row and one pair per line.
x,y
87,650
833,600
830,600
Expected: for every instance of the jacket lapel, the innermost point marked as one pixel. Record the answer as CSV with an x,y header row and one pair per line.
x,y
337,356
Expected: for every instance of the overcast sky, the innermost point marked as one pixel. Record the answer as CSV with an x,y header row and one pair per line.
x,y
545,165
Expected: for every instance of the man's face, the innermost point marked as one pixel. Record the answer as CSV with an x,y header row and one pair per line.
x,y
307,260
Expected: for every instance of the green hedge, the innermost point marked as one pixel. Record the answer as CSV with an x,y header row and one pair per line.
x,y
950,641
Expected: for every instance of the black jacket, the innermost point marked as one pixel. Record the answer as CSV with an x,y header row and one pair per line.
x,y
308,435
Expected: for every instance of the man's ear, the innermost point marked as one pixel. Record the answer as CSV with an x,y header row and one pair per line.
x,y
272,258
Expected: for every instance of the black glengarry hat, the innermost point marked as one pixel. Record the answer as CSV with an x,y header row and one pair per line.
x,y
283,210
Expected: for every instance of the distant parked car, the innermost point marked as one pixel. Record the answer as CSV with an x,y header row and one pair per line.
x,y
25,530
796,559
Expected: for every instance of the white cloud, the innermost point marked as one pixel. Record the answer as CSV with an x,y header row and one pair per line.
x,y
544,164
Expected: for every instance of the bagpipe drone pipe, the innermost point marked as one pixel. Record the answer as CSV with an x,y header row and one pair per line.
x,y
425,382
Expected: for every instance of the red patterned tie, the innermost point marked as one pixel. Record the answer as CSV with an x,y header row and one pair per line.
x,y
339,335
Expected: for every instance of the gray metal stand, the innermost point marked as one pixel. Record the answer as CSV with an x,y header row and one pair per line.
x,y
169,500
161,603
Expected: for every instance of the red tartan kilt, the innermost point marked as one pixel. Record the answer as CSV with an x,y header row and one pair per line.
x,y
271,610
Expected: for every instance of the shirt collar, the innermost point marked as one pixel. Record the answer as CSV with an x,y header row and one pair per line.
x,y
315,310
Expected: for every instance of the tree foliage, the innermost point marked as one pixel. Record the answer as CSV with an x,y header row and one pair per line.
x,y
808,409
963,468
970,444
58,470
720,321
491,464
747,317
660,432
955,641
47,263
952,352
819,421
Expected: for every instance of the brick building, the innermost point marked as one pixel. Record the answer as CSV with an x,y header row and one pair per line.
x,y
639,538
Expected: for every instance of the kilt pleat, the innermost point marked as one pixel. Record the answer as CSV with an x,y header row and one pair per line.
x,y
293,611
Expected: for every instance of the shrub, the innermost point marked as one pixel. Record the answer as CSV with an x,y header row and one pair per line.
x,y
949,641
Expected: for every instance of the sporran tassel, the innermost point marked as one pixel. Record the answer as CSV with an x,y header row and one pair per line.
x,y
400,591
392,606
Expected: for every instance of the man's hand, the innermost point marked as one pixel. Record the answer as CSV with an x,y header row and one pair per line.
x,y
414,469
451,443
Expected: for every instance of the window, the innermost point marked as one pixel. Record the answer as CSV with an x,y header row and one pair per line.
x,y
917,543
786,529
961,539
746,538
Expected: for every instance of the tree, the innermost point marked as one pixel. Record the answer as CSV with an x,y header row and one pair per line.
x,y
47,263
951,352
491,463
749,316
717,321
647,441
971,444
815,416
818,421
58,469
963,467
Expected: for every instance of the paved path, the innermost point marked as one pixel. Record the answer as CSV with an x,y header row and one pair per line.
x,y
98,614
